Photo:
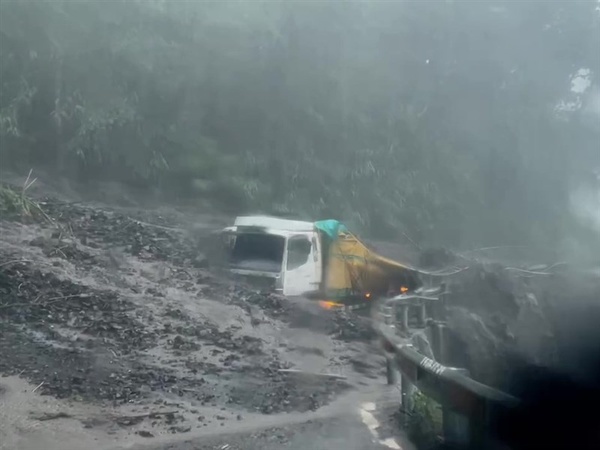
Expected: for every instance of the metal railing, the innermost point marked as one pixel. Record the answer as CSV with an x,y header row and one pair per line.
x,y
468,407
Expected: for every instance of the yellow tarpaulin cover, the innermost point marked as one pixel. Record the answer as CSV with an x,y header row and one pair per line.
x,y
353,267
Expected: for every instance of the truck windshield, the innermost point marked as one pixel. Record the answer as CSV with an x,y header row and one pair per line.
x,y
258,251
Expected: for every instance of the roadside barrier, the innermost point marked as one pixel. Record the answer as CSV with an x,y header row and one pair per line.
x,y
469,408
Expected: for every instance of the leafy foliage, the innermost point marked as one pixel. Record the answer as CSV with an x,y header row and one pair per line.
x,y
17,204
432,119
425,422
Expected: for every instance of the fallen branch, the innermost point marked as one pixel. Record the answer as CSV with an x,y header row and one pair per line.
x,y
15,261
316,374
63,297
48,301
132,420
152,225
52,416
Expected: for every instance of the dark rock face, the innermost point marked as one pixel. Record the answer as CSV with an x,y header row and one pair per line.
x,y
537,337
499,320
495,317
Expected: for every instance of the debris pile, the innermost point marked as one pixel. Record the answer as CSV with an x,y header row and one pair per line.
x,y
98,307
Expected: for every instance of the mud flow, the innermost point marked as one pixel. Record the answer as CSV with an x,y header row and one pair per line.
x,y
115,323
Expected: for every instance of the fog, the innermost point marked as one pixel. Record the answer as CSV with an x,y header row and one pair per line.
x,y
462,137
452,123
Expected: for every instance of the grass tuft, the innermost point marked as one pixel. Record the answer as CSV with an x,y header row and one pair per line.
x,y
15,203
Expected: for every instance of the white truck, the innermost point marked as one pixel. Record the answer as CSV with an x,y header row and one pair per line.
x,y
320,259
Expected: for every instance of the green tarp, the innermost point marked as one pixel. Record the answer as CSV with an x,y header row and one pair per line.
x,y
331,227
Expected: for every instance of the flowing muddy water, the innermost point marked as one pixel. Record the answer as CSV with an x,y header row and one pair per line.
x,y
115,332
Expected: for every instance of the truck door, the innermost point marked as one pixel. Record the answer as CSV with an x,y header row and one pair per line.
x,y
300,266
317,256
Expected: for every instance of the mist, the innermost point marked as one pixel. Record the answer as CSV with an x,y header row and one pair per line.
x,y
456,123
461,133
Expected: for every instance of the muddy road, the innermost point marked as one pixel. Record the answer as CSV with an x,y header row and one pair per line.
x,y
116,333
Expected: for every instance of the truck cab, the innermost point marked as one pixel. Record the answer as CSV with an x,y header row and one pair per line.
x,y
279,254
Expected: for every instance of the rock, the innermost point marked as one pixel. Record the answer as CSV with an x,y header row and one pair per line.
x,y
178,342
145,434
39,241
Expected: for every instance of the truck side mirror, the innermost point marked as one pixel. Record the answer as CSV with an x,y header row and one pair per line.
x,y
228,239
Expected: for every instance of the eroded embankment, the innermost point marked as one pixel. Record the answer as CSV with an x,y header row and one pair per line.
x,y
102,309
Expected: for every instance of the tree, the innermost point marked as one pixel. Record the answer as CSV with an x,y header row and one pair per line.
x,y
436,120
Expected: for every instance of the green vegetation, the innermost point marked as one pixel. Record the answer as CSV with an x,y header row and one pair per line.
x,y
17,204
435,120
424,425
